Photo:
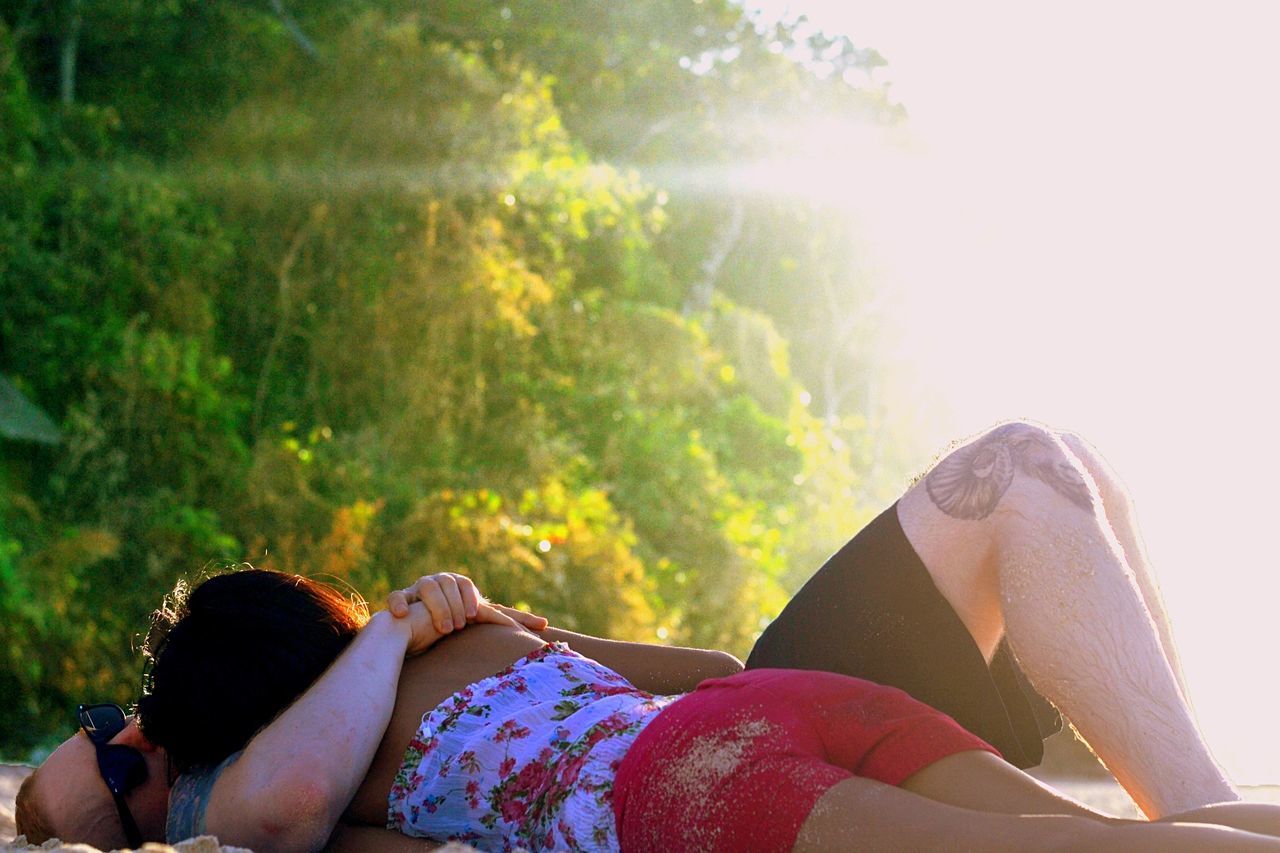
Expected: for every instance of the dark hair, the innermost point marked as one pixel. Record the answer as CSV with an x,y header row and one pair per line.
x,y
227,657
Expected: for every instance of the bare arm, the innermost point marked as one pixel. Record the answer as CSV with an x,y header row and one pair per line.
x,y
294,780
653,668
290,786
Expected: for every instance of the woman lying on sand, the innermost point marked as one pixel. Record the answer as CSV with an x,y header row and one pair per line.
x,y
1021,534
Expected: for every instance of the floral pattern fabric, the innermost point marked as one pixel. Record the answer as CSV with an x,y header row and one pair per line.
x,y
524,759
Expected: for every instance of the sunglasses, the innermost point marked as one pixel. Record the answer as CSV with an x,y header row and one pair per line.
x,y
122,767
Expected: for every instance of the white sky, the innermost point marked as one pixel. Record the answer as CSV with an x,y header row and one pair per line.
x,y
1082,229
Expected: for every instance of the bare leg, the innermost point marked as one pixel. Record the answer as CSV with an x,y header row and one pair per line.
x,y
978,780
1123,519
862,814
1262,818
1012,528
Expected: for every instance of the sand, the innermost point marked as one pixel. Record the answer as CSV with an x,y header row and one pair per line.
x,y
11,776
1102,794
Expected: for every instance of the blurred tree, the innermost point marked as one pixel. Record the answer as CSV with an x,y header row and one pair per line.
x,y
373,288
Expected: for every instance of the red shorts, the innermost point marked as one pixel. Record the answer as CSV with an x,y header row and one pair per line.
x,y
739,763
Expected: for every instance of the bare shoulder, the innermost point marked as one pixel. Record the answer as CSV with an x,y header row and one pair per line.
x,y
653,668
468,655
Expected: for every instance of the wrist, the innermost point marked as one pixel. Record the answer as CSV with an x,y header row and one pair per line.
x,y
383,624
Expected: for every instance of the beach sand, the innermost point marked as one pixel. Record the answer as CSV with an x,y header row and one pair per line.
x,y
1106,795
1101,793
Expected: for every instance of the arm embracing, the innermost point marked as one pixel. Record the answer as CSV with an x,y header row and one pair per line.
x,y
295,778
652,668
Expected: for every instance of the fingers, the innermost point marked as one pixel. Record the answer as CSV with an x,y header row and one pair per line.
x,y
422,629
456,617
493,615
438,593
471,597
398,602
528,620
450,599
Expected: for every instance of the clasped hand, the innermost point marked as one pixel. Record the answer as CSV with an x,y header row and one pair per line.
x,y
437,605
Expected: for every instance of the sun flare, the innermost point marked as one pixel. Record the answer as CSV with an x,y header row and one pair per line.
x,y
1089,242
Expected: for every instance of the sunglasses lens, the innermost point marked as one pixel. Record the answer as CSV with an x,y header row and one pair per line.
x,y
102,722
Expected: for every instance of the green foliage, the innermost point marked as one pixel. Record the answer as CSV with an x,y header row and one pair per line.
x,y
19,123
391,289
106,283
565,554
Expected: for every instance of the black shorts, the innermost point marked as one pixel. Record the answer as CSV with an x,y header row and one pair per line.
x,y
873,612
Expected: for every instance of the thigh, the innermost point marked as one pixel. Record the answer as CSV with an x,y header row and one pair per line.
x,y
979,780
740,763
861,814
759,807
718,771
873,612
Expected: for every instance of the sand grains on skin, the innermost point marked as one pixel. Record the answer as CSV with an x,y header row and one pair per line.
x,y
694,778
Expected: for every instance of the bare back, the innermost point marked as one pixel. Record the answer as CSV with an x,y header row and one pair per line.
x,y
427,680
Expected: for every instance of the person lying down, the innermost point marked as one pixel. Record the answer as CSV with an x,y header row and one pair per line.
x,y
279,717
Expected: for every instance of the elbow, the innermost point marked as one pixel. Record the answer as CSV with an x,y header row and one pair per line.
x,y
723,664
312,817
302,820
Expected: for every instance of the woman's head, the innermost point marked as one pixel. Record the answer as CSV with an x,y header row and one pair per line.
x,y
229,655
226,657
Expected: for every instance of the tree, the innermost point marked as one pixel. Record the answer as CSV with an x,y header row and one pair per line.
x,y
376,287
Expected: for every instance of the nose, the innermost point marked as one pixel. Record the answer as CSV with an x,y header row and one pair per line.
x,y
132,736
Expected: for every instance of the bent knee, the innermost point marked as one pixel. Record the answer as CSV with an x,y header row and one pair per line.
x,y
1005,470
1105,479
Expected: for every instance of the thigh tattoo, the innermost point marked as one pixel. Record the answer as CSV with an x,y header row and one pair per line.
x,y
970,482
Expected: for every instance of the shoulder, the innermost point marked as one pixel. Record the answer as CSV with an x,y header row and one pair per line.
x,y
189,800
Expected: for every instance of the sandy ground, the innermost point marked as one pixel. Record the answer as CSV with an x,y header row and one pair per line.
x,y
11,776
1102,794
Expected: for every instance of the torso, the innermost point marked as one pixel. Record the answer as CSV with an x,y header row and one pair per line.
x,y
525,758
427,680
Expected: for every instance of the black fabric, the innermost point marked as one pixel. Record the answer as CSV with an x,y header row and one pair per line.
x,y
873,612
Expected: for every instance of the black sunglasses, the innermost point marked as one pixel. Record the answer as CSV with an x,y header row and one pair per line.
x,y
122,767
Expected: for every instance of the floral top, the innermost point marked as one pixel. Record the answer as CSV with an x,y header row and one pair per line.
x,y
525,758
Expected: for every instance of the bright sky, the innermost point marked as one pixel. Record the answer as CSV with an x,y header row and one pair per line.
x,y
1082,228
